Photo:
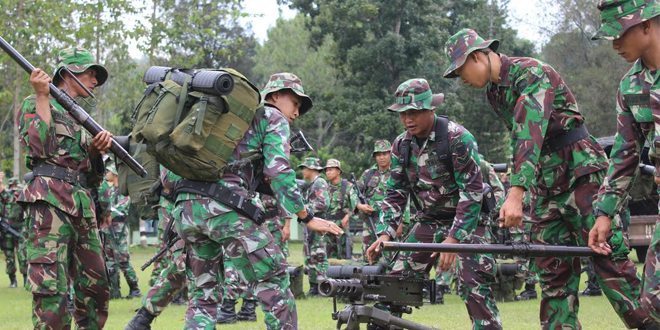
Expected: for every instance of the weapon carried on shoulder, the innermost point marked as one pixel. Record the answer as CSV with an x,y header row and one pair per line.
x,y
7,228
363,200
299,143
76,111
513,248
170,237
397,293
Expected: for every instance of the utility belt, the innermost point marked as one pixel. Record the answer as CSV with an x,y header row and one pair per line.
x,y
65,174
271,213
563,139
224,195
443,218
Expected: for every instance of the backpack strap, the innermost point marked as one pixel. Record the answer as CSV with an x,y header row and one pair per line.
x,y
342,191
367,178
404,152
442,142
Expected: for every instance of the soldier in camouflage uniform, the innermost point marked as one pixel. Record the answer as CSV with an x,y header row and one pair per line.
x,y
279,225
559,163
63,240
343,200
115,208
11,213
634,28
317,199
211,227
447,194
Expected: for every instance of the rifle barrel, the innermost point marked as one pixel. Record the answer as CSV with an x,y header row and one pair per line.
x,y
520,249
75,110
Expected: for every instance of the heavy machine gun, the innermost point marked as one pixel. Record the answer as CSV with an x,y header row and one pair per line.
x,y
521,249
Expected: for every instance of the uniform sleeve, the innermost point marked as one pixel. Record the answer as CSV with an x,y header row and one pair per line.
x,y
352,199
37,137
623,162
531,115
468,177
120,209
276,164
397,196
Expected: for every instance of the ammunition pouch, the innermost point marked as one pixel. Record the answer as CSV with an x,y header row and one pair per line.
x,y
565,138
65,174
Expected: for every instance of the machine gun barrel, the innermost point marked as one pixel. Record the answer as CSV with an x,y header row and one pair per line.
x,y
347,288
518,249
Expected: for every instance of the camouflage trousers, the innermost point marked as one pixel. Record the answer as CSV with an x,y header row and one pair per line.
x,y
336,247
169,282
284,245
475,272
62,249
651,291
234,287
207,228
566,219
316,259
163,218
116,250
14,249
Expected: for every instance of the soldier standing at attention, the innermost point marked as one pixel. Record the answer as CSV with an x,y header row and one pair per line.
x,y
634,28
63,239
435,162
342,204
317,199
211,227
559,163
10,213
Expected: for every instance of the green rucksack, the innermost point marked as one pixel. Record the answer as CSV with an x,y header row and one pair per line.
x,y
193,131
141,190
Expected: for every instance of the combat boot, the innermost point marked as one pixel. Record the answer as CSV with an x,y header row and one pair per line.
x,y
528,294
141,321
592,289
439,296
247,312
227,312
12,281
313,290
134,290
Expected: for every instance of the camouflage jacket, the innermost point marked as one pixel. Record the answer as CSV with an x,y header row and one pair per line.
x,y
273,216
440,192
491,178
373,183
343,200
167,179
63,143
7,201
536,105
317,197
267,135
114,203
638,119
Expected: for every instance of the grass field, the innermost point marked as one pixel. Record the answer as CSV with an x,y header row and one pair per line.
x,y
313,313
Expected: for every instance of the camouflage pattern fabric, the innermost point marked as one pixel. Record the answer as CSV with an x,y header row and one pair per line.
x,y
650,297
462,44
617,16
275,222
165,208
287,81
314,245
208,227
234,287
373,183
338,207
12,246
78,60
63,241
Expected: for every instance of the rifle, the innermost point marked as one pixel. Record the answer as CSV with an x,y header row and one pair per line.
x,y
7,228
299,143
170,237
521,249
363,200
76,111
643,168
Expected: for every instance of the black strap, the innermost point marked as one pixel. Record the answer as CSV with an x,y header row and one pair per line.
x,y
223,195
367,179
564,139
65,174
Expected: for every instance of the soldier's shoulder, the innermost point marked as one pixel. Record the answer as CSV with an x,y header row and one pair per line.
x,y
29,103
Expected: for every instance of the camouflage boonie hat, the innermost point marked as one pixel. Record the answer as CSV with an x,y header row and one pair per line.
x,y
382,146
311,163
617,16
415,94
462,44
112,169
285,80
77,60
333,163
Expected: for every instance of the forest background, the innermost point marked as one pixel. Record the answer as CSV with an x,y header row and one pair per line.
x,y
350,54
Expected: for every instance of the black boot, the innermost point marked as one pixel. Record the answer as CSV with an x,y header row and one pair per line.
x,y
134,290
141,321
313,290
227,313
12,281
593,289
247,312
528,294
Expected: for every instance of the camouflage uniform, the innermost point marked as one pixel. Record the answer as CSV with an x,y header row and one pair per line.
x,y
449,202
317,199
208,227
275,221
562,166
638,120
11,212
343,199
63,239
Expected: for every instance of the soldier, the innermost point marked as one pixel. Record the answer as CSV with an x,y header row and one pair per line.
x,y
10,213
17,221
317,199
558,163
435,162
279,225
343,200
211,224
634,28
63,239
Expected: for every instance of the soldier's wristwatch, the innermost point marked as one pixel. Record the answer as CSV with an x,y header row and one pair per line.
x,y
308,218
600,213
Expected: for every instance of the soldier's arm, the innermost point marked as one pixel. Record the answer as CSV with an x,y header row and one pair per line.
x,y
37,135
397,196
468,177
319,199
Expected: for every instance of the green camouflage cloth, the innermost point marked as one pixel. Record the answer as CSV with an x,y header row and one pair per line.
x,y
165,208
13,247
78,60
209,227
417,95
314,245
373,184
381,146
275,221
462,44
617,16
343,200
290,81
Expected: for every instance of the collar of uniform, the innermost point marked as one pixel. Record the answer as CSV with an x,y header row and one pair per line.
x,y
637,67
504,71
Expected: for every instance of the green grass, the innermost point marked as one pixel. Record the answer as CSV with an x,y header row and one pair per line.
x,y
314,313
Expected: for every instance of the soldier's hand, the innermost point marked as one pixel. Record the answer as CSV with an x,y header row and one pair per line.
x,y
344,223
374,250
39,81
599,234
512,209
399,230
323,226
448,259
365,208
102,141
286,233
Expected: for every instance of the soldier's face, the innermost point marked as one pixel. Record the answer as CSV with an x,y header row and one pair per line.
x,y
634,43
475,70
417,122
87,78
383,159
288,103
332,173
